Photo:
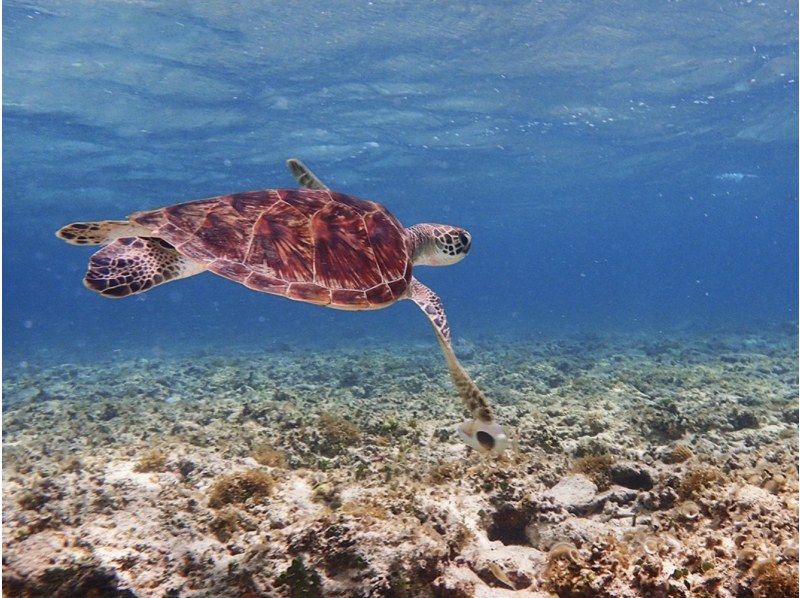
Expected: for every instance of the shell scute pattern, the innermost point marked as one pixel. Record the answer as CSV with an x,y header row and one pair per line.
x,y
308,291
249,204
343,257
282,243
177,235
232,270
398,287
224,233
388,245
306,201
266,284
362,206
380,294
354,299
310,245
191,215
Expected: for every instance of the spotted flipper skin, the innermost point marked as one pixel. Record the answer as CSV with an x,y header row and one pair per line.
x,y
134,265
474,399
429,302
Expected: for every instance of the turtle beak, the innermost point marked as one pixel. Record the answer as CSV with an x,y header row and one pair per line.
x,y
485,437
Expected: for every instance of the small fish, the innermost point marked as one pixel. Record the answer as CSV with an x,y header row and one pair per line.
x,y
501,575
736,177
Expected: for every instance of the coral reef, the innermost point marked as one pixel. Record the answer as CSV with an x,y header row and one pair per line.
x,y
639,468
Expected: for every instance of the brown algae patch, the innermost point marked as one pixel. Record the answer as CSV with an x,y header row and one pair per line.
x,y
774,580
240,487
596,468
697,480
266,454
677,454
153,460
336,434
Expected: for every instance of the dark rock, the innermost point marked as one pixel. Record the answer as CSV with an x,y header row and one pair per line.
x,y
281,395
555,380
443,434
300,580
631,475
59,582
508,524
743,418
185,467
790,414
109,412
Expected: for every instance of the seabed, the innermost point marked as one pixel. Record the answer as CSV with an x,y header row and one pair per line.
x,y
641,467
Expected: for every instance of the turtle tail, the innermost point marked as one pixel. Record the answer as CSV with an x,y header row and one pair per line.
x,y
101,232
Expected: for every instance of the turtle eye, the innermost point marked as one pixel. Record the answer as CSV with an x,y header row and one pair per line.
x,y
464,241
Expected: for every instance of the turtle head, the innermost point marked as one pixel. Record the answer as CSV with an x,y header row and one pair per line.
x,y
439,244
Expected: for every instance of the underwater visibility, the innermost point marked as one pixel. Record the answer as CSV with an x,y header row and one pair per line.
x,y
598,398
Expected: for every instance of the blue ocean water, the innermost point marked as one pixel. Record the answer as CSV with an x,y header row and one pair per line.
x,y
622,167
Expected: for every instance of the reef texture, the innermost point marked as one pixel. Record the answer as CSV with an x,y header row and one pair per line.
x,y
642,468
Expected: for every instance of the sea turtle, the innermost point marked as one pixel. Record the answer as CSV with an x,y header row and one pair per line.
x,y
310,244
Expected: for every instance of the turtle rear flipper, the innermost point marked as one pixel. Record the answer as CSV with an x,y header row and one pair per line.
x,y
101,232
133,265
303,175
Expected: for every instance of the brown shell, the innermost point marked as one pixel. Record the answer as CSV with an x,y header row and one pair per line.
x,y
311,245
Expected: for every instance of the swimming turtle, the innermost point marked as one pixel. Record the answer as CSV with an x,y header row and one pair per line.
x,y
310,244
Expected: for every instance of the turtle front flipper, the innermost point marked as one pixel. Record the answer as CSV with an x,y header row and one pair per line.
x,y
303,175
134,265
483,433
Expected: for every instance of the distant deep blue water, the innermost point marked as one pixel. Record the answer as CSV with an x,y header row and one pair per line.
x,y
626,166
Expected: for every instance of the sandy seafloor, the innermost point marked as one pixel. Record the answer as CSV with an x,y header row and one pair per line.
x,y
643,467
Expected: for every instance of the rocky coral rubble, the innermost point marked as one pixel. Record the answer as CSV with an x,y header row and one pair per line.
x,y
641,468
